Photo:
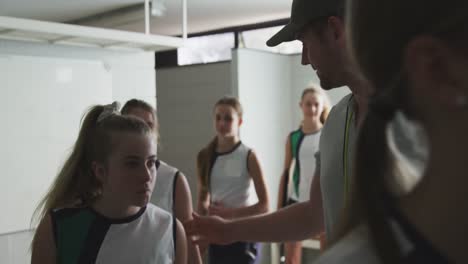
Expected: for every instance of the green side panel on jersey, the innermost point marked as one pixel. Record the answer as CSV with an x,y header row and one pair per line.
x,y
295,140
71,235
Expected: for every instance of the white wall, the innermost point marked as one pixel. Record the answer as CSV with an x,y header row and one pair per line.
x,y
264,90
263,81
186,96
44,92
41,100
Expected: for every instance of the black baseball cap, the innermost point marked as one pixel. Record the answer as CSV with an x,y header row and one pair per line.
x,y
302,13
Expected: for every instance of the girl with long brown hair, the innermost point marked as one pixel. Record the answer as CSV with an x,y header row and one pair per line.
x,y
228,171
172,193
97,210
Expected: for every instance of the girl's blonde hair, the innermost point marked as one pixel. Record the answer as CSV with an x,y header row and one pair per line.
x,y
76,184
314,89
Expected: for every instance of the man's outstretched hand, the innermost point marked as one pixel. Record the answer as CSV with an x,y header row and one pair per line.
x,y
204,230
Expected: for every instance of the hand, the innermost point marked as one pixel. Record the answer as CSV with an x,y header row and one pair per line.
x,y
218,209
208,229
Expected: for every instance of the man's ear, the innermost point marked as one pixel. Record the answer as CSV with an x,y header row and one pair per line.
x,y
337,28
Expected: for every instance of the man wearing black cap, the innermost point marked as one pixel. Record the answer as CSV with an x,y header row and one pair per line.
x,y
319,25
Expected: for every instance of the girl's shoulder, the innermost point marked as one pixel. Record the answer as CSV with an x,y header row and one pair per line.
x,y
164,167
69,210
245,147
295,133
247,151
158,220
158,212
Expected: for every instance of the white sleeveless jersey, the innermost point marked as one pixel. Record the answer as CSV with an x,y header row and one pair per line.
x,y
85,236
163,193
305,160
307,153
230,181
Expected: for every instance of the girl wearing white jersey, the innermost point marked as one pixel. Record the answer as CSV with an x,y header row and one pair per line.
x,y
172,192
229,174
302,146
97,209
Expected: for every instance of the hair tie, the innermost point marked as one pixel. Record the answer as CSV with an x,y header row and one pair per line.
x,y
408,142
110,109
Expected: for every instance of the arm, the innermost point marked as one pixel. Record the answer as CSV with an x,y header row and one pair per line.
x,y
303,220
287,164
260,207
203,201
181,247
183,212
43,248
316,195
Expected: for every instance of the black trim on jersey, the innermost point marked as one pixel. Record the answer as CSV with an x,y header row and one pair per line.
x,y
298,160
248,155
96,234
284,199
174,185
346,136
174,233
174,221
423,251
124,220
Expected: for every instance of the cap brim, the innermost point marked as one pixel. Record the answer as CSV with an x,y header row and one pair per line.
x,y
287,33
